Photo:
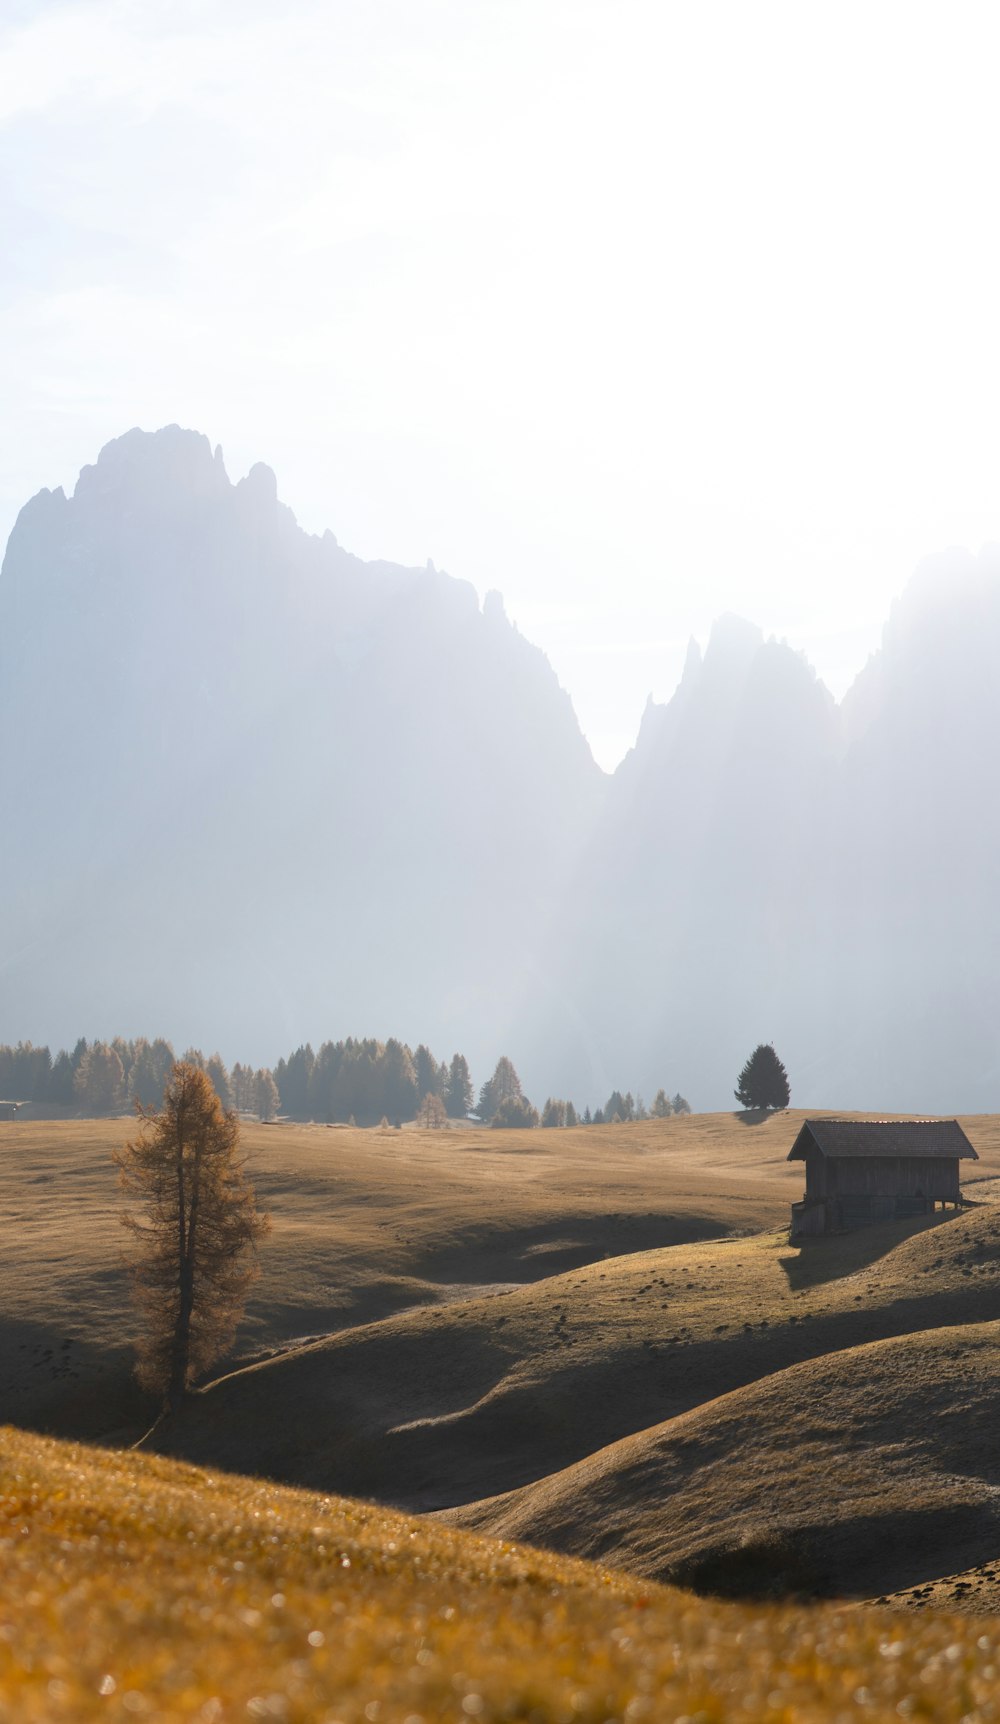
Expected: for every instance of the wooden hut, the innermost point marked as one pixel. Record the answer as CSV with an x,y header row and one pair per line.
x,y
863,1170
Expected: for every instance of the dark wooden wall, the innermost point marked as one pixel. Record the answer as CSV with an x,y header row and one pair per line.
x,y
881,1176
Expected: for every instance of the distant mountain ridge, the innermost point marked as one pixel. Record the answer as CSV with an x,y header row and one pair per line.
x,y
259,791
263,789
824,877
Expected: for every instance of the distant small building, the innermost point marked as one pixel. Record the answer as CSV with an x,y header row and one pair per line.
x,y
860,1170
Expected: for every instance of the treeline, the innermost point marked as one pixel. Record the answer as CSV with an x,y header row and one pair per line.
x,y
616,1111
368,1080
359,1080
105,1077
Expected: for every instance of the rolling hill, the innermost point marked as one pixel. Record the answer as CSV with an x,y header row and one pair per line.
x,y
131,1586
600,1335
366,1223
865,1471
438,1406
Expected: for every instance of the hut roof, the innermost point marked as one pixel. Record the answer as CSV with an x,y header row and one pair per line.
x,y
837,1138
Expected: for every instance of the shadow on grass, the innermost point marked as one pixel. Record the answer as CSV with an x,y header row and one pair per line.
x,y
757,1115
832,1256
884,1551
496,1250
776,1564
68,1386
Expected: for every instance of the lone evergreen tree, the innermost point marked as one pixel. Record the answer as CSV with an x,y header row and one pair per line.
x,y
763,1082
192,1263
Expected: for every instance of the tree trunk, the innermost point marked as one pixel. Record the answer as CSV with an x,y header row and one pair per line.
x,y
182,1338
187,1215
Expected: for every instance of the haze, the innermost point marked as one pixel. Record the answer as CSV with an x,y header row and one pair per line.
x,y
639,313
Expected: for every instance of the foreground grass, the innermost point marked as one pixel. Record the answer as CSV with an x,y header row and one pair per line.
x,y
135,1588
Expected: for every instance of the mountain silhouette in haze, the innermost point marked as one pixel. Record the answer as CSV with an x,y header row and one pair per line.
x,y
772,866
258,791
261,790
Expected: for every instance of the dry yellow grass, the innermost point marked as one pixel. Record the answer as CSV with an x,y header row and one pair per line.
x,y
439,1406
449,1402
133,1588
974,1591
872,1469
365,1223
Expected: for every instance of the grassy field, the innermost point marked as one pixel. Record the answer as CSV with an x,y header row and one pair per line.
x,y
133,1588
365,1223
442,1405
863,1472
600,1340
974,1591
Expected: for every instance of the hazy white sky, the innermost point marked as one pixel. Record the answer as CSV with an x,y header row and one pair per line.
x,y
637,310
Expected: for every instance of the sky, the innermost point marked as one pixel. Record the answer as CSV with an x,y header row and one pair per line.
x,y
640,311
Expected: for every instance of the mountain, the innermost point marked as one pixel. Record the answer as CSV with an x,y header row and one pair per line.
x,y
771,867
919,844
702,882
258,790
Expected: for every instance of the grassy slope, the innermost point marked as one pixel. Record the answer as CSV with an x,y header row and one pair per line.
x,y
438,1407
450,1402
872,1469
131,1587
365,1223
974,1591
